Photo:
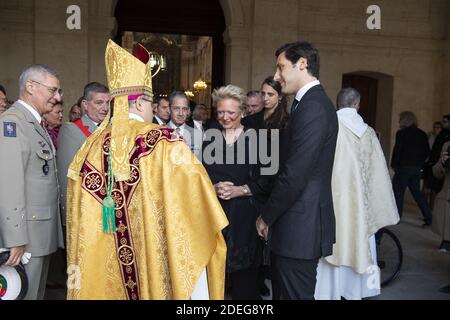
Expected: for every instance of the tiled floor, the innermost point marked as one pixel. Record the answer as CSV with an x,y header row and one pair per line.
x,y
424,270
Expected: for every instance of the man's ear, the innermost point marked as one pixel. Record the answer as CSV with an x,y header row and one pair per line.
x,y
29,87
138,104
302,63
84,105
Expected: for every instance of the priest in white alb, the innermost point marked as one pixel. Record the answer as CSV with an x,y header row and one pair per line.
x,y
363,203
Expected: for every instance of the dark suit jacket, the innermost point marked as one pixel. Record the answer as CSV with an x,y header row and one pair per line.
x,y
254,121
300,211
156,121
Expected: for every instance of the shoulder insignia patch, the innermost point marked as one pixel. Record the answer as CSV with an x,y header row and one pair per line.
x,y
9,129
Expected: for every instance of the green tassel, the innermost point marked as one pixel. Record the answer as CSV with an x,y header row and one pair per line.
x,y
109,219
108,210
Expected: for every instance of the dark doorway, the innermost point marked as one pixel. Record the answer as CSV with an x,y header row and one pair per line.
x,y
199,17
368,89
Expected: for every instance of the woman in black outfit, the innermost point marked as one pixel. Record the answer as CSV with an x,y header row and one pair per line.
x,y
273,117
230,179
410,152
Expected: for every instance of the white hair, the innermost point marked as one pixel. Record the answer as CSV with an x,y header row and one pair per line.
x,y
230,92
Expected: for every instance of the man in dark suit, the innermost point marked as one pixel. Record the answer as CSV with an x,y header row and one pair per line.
x,y
298,219
162,112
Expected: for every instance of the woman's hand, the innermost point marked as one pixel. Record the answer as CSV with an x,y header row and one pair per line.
x,y
224,189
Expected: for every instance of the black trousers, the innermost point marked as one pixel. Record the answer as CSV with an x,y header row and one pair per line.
x,y
244,284
293,279
409,177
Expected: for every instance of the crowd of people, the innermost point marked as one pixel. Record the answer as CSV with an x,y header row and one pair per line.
x,y
128,187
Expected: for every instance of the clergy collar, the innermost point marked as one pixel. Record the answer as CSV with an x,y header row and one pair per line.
x,y
350,118
135,117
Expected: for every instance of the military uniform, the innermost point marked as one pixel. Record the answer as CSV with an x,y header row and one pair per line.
x,y
29,209
70,140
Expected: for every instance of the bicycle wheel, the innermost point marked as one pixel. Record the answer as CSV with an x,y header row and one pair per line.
x,y
389,255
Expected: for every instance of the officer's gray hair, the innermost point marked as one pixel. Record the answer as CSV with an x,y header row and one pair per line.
x,y
36,72
348,98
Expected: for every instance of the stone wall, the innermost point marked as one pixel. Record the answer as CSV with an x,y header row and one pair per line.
x,y
411,49
36,32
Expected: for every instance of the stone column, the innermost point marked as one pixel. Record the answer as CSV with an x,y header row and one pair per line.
x,y
237,57
61,48
100,31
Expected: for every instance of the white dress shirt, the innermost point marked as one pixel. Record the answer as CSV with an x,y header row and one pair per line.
x,y
303,90
160,122
182,129
198,125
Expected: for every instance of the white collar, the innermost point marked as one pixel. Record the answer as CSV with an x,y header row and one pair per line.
x,y
350,118
198,124
160,121
305,89
172,125
135,117
32,110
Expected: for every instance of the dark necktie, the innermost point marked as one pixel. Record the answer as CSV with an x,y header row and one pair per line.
x,y
294,105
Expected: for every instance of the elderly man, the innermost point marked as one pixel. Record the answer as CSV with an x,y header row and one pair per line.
x,y
363,203
255,102
29,213
72,135
179,113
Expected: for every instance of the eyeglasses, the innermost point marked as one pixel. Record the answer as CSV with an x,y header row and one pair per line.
x,y
147,99
53,90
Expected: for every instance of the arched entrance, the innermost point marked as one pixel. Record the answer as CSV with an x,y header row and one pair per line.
x,y
376,91
200,18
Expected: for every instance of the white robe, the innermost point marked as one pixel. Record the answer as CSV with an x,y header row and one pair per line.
x,y
363,203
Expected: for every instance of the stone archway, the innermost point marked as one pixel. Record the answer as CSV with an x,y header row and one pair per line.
x,y
237,44
199,18
376,101
235,40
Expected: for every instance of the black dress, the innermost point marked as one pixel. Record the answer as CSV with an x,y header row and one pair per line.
x,y
262,185
243,244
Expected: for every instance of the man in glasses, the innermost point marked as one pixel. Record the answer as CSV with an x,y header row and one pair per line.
x,y
29,211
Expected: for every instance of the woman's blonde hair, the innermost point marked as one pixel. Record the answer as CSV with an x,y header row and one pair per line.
x,y
230,92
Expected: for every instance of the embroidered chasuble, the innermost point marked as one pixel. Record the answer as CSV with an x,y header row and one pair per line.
x,y
363,199
168,220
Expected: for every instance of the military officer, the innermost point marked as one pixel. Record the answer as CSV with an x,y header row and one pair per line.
x,y
29,209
